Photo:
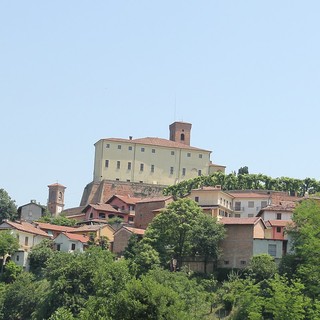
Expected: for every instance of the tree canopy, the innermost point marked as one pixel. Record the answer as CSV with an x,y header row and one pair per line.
x,y
8,208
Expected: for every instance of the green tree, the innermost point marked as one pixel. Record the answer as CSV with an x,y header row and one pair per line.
x,y
8,208
206,236
261,267
170,232
8,245
39,255
306,244
11,272
243,170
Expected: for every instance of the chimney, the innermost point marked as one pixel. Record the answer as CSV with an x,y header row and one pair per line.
x,y
130,137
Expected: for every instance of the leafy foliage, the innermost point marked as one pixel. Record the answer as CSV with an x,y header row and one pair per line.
x,y
244,181
8,208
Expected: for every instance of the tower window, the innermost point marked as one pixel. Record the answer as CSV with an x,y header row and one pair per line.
x,y
141,167
172,153
106,163
107,145
171,170
118,164
153,150
199,172
182,137
130,148
200,156
129,165
188,154
119,146
183,171
152,168
142,149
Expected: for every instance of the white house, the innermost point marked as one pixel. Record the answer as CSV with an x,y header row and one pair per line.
x,y
70,242
28,236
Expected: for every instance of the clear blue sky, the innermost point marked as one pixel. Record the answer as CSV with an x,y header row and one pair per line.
x,y
246,74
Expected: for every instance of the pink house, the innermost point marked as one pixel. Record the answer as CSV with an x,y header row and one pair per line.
x,y
102,211
125,205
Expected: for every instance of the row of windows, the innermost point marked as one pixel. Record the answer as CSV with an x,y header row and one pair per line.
x,y
237,205
152,167
142,149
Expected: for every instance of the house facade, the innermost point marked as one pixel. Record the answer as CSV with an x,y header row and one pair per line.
x,y
122,236
152,160
69,242
103,211
28,236
31,211
238,246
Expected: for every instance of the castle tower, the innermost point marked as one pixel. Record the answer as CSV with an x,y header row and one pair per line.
x,y
56,198
180,132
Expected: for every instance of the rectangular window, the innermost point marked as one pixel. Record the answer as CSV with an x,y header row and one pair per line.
x,y
141,166
128,180
118,164
243,262
199,172
196,199
188,154
272,250
119,146
17,258
153,150
279,216
152,168
142,149
107,145
129,165
106,163
279,229
26,241
73,246
264,204
237,206
172,153
200,156
237,215
183,171
58,247
226,262
171,170
130,148
250,215
250,204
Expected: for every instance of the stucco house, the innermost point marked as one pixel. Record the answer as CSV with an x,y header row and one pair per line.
x,y
52,229
28,236
70,242
31,211
102,211
282,211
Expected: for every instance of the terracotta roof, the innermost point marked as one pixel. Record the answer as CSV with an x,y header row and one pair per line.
x,y
160,142
155,199
287,207
76,237
248,195
73,211
278,223
89,228
243,221
126,199
53,227
26,227
101,207
135,230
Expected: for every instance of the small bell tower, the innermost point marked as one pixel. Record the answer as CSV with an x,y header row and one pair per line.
x,y
56,198
180,132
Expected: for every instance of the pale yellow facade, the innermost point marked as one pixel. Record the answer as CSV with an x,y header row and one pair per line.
x,y
125,160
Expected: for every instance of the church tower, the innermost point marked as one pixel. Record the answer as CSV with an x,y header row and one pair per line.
x,y
180,132
56,198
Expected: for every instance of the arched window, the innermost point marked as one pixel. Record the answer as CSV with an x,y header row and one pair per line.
x,y
182,137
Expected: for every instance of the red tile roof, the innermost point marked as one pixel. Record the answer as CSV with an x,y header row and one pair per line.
x,y
76,237
53,227
157,142
135,230
126,199
243,221
287,207
101,207
26,227
248,195
278,223
90,228
155,199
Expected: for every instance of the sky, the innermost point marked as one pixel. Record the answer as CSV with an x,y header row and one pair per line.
x,y
246,74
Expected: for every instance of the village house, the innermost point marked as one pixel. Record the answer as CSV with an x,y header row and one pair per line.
x,y
102,211
125,205
70,242
31,211
122,236
148,208
52,230
28,236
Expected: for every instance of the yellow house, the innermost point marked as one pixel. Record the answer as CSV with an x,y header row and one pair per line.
x,y
152,160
